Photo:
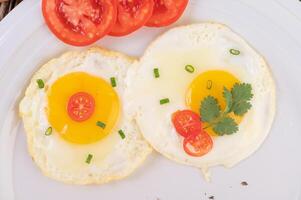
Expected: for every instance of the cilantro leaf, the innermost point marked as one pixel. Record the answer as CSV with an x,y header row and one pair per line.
x,y
226,126
242,92
228,98
210,109
241,108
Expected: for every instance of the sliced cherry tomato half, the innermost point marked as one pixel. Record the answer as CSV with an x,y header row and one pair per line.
x,y
198,145
131,15
81,106
80,22
187,123
166,12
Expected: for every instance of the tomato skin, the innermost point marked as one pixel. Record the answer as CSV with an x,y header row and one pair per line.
x,y
167,12
198,145
80,106
131,15
63,32
187,122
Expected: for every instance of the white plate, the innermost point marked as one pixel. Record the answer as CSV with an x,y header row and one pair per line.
x,y
273,172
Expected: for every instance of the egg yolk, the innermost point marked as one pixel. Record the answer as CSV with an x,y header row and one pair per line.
x,y
106,108
210,83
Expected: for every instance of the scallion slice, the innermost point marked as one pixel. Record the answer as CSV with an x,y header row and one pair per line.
x,y
121,133
156,73
164,101
234,52
209,84
113,81
40,83
101,124
89,158
189,68
48,131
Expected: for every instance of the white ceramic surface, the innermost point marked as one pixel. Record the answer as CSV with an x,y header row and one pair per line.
x,y
273,27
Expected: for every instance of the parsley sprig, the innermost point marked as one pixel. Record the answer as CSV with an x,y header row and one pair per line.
x,y
237,101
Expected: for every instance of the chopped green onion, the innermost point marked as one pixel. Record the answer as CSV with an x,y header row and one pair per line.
x,y
48,131
209,84
101,124
156,73
121,133
40,83
189,68
164,101
89,158
234,52
113,82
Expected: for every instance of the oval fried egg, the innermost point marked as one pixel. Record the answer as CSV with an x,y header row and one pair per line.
x,y
78,129
181,68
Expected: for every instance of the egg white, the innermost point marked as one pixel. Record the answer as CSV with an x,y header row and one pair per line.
x,y
205,46
113,158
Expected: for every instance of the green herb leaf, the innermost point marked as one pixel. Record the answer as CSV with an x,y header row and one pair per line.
x,y
241,108
226,126
210,109
242,94
228,98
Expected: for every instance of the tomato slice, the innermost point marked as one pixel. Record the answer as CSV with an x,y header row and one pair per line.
x,y
198,145
131,15
81,106
187,122
79,22
166,12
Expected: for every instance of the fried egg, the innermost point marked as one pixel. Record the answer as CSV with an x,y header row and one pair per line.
x,y
74,114
181,68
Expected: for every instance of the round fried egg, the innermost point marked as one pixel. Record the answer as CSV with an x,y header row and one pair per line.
x,y
74,114
181,68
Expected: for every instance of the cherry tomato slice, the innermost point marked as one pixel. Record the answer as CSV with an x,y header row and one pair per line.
x,y
198,145
187,123
79,22
166,12
80,106
131,15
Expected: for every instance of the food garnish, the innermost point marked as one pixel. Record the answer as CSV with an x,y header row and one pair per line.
x,y
237,102
40,83
156,73
101,124
164,101
121,133
89,158
113,81
189,68
81,106
234,52
48,131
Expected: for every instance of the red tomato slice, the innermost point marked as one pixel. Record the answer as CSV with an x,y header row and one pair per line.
x,y
81,106
187,123
166,12
79,22
131,15
198,145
